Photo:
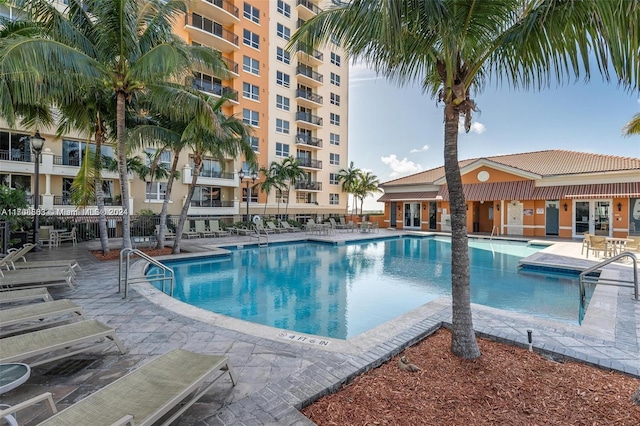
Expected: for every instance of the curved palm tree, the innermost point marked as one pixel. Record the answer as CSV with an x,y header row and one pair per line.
x,y
348,179
367,184
292,173
633,126
268,183
455,48
124,46
278,172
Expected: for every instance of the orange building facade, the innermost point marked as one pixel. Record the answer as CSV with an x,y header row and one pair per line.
x,y
538,194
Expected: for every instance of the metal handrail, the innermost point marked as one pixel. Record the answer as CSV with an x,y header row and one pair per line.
x,y
584,278
167,273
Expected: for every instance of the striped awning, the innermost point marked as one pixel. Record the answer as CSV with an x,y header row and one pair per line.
x,y
409,196
492,191
597,190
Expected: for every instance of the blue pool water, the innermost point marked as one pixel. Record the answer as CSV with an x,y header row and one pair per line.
x,y
342,291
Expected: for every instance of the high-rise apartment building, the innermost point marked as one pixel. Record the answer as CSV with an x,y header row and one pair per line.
x,y
296,103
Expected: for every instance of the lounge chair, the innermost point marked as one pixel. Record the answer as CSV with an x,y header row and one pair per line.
x,y
15,255
288,227
68,263
202,229
22,280
68,236
633,243
260,229
168,233
189,232
214,225
162,389
38,312
13,296
272,226
335,225
25,347
46,235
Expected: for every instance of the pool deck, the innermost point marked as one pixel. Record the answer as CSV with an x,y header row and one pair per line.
x,y
279,372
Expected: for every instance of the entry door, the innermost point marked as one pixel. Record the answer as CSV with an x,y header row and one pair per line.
x,y
392,216
515,219
412,215
433,208
552,218
592,216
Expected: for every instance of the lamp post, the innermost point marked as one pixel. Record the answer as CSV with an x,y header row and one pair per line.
x,y
37,142
254,176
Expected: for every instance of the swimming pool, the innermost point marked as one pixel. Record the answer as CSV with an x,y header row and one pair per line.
x,y
341,291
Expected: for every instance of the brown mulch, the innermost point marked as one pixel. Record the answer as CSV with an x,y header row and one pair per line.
x,y
114,254
505,386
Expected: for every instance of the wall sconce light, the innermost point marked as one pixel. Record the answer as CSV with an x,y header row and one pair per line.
x,y
399,207
565,207
619,207
498,206
467,206
424,207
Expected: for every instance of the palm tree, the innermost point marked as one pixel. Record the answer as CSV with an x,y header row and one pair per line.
x,y
633,126
276,170
366,185
292,173
348,179
453,48
124,46
267,184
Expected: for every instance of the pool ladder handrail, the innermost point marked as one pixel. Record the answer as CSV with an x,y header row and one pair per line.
x,y
586,279
124,280
258,235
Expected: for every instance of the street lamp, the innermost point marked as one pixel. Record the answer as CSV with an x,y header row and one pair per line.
x,y
254,176
37,142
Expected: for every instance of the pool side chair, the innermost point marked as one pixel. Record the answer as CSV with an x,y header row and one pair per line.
x,y
162,389
46,235
272,226
168,233
188,232
598,244
13,296
202,229
51,344
66,263
15,255
260,229
37,280
288,227
633,243
68,236
215,229
585,243
58,311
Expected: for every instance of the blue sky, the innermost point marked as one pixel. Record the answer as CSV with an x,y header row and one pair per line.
x,y
396,131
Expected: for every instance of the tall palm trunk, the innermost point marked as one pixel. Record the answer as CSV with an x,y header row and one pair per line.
x,y
121,137
463,342
197,164
102,217
165,204
286,207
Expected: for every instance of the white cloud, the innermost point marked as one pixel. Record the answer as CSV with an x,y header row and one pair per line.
x,y
639,101
476,127
400,167
361,73
424,148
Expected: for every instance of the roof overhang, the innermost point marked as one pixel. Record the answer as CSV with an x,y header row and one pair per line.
x,y
483,162
490,191
410,196
594,190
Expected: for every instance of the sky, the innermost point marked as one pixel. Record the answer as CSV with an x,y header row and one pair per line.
x,y
398,131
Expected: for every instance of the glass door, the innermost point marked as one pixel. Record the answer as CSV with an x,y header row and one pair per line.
x,y
581,216
592,216
412,215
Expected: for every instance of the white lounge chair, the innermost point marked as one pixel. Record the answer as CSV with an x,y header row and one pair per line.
x,y
202,229
168,233
272,226
59,310
13,296
288,227
35,280
162,389
189,232
68,263
15,255
68,236
43,346
214,225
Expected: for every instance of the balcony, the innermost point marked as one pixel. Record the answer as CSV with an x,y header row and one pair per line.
x,y
306,140
309,163
308,99
309,119
300,23
309,186
211,33
231,65
216,174
223,10
65,200
216,89
15,155
307,54
211,203
307,9
308,76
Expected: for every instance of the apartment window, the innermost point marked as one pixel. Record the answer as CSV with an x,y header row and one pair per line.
x,y
282,126
335,99
206,196
164,157
282,102
250,91
335,59
251,65
250,117
334,179
334,199
282,79
335,40
334,119
334,139
253,141
156,191
251,39
283,32
284,9
335,79
334,159
282,149
283,56
210,168
251,13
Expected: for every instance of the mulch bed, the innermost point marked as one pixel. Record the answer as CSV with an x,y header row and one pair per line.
x,y
114,254
505,386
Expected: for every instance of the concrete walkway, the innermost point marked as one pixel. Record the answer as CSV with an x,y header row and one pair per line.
x,y
277,375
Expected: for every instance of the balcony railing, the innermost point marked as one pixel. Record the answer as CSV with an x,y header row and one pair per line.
x,y
15,155
215,88
304,139
216,174
302,70
309,186
309,118
232,65
211,203
307,162
304,48
211,27
300,22
310,96
59,160
312,7
65,200
225,5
